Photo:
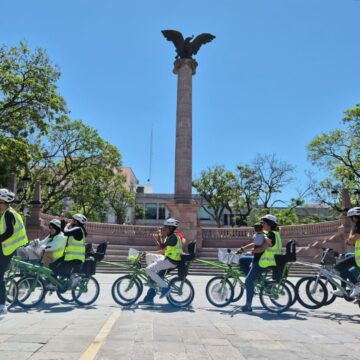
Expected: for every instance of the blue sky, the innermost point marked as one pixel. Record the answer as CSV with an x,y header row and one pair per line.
x,y
278,73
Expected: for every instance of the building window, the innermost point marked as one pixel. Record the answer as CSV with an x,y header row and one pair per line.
x,y
161,212
150,211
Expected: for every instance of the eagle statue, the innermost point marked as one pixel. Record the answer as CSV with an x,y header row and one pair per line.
x,y
186,48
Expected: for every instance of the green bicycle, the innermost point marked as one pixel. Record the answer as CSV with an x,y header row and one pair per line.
x,y
127,289
275,295
33,286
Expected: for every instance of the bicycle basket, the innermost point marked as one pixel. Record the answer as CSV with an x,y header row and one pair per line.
x,y
328,257
133,255
228,258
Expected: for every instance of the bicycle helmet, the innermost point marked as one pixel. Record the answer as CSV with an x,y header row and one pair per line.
x,y
271,218
80,218
56,223
355,211
6,195
171,222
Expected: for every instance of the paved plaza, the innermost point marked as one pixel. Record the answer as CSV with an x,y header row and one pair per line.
x,y
105,331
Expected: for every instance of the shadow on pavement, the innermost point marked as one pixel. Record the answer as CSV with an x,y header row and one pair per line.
x,y
160,308
47,308
261,313
338,317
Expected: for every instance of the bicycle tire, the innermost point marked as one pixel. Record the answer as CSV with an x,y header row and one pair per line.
x,y
172,299
11,292
63,298
78,291
303,297
330,288
238,291
216,287
24,291
292,289
267,291
119,297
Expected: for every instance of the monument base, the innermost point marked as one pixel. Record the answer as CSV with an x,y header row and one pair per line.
x,y
187,214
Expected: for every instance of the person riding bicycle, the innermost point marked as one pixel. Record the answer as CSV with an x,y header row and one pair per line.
x,y
264,256
158,237
74,253
343,266
168,257
54,244
258,240
12,236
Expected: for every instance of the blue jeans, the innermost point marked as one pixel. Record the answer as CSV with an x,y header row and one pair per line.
x,y
254,273
245,262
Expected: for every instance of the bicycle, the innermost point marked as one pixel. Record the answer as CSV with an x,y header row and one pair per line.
x,y
33,286
220,290
127,289
315,291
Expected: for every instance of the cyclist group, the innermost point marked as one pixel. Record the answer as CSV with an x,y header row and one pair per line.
x,y
63,250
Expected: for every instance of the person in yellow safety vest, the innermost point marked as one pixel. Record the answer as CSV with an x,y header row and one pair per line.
x,y
264,256
12,236
54,244
343,266
74,252
166,258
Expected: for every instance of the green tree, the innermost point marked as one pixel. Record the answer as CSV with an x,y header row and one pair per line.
x,y
216,186
29,103
120,199
338,152
29,100
74,162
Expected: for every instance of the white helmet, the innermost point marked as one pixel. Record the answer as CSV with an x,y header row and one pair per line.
x,y
270,218
355,211
80,218
56,223
171,222
6,195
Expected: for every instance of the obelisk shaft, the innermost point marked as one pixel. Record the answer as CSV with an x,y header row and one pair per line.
x,y
185,69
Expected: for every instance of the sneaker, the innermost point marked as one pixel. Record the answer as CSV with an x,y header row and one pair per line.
x,y
75,281
246,308
355,291
146,302
165,292
338,293
3,309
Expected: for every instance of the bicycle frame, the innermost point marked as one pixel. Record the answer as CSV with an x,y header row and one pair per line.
x,y
331,276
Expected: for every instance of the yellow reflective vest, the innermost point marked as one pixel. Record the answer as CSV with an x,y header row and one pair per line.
x,y
268,257
56,245
357,252
174,252
75,249
18,238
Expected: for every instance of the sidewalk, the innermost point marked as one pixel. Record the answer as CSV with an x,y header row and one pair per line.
x,y
57,331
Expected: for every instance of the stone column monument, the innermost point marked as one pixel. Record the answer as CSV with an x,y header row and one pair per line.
x,y
184,69
183,208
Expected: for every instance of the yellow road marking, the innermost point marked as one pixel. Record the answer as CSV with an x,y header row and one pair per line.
x,y
100,339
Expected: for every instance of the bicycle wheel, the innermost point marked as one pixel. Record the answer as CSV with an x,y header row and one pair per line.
x,y
11,292
238,290
292,289
31,291
331,287
65,296
219,291
316,289
275,297
86,292
126,290
182,292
